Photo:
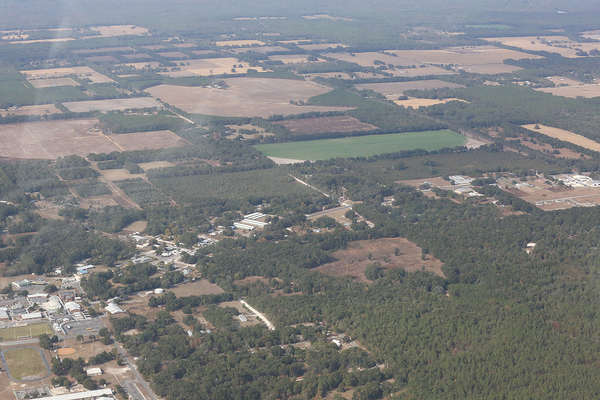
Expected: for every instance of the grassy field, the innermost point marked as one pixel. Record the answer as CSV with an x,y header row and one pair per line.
x,y
24,362
363,145
36,330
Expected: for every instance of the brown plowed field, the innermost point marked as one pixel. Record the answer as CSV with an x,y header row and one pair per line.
x,y
326,124
355,258
244,97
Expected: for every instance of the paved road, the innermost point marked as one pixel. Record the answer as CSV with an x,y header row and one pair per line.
x,y
123,354
133,390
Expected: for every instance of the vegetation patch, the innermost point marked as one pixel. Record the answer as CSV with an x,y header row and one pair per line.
x,y
24,362
34,330
363,145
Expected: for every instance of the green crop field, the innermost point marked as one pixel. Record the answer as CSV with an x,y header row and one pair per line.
x,y
363,145
24,362
35,330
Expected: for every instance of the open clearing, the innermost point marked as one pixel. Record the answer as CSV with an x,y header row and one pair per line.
x,y
416,103
549,198
198,288
565,135
398,88
574,91
340,123
34,329
244,97
44,83
112,104
355,258
463,56
552,44
25,362
33,110
362,145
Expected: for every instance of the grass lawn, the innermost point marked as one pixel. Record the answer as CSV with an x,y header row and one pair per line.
x,y
24,362
36,330
362,145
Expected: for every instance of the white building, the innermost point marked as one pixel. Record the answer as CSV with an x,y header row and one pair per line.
x,y
93,371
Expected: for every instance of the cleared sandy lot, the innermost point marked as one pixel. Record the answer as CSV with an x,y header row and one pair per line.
x,y
553,44
574,91
355,258
398,88
52,82
33,110
244,97
473,56
565,135
113,104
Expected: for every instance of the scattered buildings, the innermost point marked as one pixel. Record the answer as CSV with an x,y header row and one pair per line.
x,y
460,180
578,181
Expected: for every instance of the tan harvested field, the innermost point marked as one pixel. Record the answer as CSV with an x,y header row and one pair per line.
x,y
588,91
294,59
102,50
112,175
367,59
49,73
553,44
200,287
204,52
321,46
565,135
220,66
156,164
139,56
153,47
488,68
112,104
244,97
33,110
41,41
184,45
398,88
326,124
239,43
173,54
44,83
416,103
355,258
95,77
148,140
475,55
102,59
120,30
51,139
562,81
262,50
